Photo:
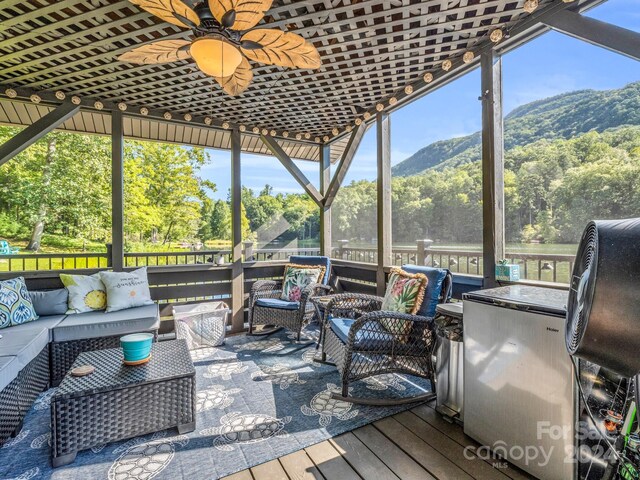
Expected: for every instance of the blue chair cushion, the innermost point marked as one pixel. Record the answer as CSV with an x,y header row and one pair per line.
x,y
372,336
317,260
436,277
277,303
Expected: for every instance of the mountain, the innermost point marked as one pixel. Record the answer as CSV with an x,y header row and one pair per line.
x,y
562,116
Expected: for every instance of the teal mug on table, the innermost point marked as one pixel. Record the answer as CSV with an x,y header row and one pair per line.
x,y
136,346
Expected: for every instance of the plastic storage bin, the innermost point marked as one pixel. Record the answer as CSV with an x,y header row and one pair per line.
x,y
201,325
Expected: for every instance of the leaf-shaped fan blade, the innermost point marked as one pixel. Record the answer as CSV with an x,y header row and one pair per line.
x,y
172,11
247,12
164,51
285,49
239,81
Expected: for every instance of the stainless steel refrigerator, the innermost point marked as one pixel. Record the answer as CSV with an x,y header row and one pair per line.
x,y
518,383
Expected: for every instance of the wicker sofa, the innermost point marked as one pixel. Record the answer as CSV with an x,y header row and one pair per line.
x,y
38,354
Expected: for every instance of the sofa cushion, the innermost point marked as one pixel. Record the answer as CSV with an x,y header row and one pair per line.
x,y
100,324
9,370
26,341
277,303
372,336
126,289
436,278
86,292
50,302
314,260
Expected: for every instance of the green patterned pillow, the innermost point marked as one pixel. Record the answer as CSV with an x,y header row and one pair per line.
x,y
297,277
86,292
16,306
405,292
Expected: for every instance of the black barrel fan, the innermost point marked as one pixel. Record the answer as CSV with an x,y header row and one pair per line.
x,y
603,314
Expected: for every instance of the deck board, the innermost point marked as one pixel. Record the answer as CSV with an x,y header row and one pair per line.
x,y
417,444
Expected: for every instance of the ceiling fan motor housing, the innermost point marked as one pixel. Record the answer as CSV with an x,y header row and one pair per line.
x,y
603,312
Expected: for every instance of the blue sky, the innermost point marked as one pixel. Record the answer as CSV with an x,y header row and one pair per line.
x,y
549,65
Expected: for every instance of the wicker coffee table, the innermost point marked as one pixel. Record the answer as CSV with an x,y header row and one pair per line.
x,y
116,402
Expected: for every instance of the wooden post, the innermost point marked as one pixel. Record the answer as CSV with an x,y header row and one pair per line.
x,y
492,166
383,124
237,274
325,211
248,251
117,191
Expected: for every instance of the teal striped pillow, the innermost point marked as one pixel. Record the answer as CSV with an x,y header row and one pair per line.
x,y
16,307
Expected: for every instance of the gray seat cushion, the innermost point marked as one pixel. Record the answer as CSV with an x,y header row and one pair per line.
x,y
26,341
79,326
9,370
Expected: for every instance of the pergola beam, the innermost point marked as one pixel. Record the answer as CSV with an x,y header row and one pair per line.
x,y
596,32
345,162
36,131
493,244
292,168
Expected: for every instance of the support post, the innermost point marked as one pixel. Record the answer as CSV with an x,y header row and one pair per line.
x,y
383,124
237,274
325,211
492,165
117,191
36,131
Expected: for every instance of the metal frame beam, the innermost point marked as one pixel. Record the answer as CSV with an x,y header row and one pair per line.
x,y
292,168
325,211
599,33
493,244
36,131
237,275
383,141
345,162
117,192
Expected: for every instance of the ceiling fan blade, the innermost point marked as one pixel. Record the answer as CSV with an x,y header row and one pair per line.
x,y
247,12
237,83
164,51
172,11
285,49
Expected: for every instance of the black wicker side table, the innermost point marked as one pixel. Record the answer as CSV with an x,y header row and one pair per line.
x,y
116,402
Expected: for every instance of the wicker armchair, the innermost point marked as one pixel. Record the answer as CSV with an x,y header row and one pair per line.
x,y
266,307
359,337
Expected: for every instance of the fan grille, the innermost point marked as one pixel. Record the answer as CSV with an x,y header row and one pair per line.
x,y
582,278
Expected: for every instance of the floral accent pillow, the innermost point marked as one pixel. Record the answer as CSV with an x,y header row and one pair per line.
x,y
405,293
86,292
16,306
297,277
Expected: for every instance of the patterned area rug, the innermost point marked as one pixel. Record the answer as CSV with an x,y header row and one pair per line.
x,y
258,398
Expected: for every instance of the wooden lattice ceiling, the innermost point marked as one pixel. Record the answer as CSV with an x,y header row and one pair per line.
x,y
371,49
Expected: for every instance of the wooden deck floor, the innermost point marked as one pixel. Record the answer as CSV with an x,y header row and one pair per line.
x,y
417,444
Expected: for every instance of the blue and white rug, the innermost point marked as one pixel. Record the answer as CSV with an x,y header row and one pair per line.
x,y
259,398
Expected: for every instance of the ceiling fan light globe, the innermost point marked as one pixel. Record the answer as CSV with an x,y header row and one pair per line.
x,y
215,57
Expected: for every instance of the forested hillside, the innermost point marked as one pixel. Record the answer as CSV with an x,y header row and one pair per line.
x,y
560,117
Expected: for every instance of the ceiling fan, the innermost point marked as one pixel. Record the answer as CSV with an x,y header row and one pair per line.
x,y
224,40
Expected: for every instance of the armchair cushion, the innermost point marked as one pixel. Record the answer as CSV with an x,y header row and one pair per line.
x,y
277,303
372,336
297,277
314,260
436,277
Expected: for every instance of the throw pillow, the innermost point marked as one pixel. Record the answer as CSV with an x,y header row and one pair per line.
x,y
50,302
86,292
297,277
16,307
126,289
404,294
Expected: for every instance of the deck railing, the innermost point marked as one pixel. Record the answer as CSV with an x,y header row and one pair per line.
x,y
537,267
